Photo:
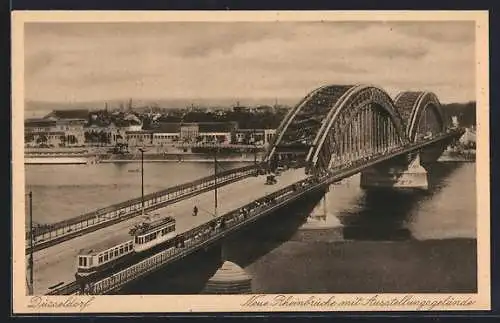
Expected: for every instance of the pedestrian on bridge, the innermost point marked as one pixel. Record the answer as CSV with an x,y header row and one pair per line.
x,y
195,211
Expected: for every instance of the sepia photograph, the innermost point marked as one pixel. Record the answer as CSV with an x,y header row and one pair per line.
x,y
238,161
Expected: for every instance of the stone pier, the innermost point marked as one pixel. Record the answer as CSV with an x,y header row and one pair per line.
x,y
320,225
414,176
229,279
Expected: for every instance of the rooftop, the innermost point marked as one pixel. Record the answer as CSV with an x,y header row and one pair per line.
x,y
167,127
68,114
36,123
217,126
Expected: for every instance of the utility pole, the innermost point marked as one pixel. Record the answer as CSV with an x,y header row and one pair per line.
x,y
215,183
254,148
30,261
142,178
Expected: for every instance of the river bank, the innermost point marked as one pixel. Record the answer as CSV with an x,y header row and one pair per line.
x,y
179,158
468,156
79,156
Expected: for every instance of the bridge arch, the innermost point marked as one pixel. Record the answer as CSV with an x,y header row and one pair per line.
x,y
414,106
307,115
362,122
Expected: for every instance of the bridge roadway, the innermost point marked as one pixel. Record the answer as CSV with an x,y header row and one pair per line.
x,y
77,226
57,264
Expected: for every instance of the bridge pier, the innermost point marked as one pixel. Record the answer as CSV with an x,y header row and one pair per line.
x,y
320,218
414,176
229,278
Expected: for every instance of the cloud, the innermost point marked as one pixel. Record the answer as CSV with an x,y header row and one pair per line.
x,y
443,31
99,61
37,62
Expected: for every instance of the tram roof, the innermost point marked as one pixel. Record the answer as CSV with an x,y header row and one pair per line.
x,y
106,244
155,224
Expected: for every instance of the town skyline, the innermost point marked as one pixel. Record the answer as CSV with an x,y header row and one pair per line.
x,y
82,62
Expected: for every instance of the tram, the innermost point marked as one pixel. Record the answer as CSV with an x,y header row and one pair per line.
x,y
113,252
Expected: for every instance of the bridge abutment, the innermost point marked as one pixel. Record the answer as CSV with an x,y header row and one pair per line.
x,y
414,177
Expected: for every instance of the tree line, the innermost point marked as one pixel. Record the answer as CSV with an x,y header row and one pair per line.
x,y
465,112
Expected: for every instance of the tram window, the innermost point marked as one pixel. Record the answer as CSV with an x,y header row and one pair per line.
x,y
80,261
121,249
125,248
116,252
100,259
84,262
106,256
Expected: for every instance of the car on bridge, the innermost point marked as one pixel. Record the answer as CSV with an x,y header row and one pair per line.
x,y
271,179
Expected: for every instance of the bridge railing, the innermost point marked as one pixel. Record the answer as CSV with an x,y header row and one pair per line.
x,y
123,210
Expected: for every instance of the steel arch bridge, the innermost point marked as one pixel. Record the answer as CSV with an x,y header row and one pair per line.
x,y
336,124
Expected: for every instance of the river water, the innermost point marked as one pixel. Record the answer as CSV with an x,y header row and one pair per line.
x,y
392,241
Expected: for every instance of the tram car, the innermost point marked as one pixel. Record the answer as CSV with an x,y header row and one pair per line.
x,y
150,234
114,252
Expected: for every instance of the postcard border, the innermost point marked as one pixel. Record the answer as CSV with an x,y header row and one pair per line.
x,y
21,302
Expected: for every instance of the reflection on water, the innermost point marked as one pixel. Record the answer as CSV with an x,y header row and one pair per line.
x,y
409,214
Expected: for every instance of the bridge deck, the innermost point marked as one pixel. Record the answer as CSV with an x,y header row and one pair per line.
x,y
57,264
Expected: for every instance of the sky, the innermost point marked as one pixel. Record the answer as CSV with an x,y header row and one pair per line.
x,y
78,62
